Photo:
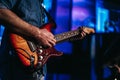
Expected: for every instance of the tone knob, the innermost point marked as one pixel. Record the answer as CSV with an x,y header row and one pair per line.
x,y
40,51
40,57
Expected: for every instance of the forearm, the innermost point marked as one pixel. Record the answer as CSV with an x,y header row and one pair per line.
x,y
15,24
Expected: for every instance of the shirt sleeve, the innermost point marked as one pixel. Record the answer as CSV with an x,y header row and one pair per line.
x,y
7,4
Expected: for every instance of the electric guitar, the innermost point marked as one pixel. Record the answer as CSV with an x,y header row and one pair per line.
x,y
32,54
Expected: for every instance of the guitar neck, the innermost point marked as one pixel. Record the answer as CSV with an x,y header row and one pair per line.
x,y
70,35
66,35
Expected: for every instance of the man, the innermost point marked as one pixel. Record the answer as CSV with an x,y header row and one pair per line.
x,y
23,17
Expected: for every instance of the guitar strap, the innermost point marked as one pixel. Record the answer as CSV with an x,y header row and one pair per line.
x,y
50,19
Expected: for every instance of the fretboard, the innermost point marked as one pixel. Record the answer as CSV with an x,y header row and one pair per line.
x,y
66,35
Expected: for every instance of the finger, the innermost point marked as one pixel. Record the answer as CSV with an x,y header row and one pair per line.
x,y
88,30
47,45
91,30
52,42
83,34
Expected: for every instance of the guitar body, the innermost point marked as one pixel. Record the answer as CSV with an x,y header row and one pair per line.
x,y
38,57
21,47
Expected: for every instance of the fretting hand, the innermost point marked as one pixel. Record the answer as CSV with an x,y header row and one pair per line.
x,y
85,31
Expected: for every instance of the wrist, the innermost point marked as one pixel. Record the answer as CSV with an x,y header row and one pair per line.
x,y
35,32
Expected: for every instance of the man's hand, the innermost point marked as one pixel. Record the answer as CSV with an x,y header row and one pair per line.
x,y
45,38
86,31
